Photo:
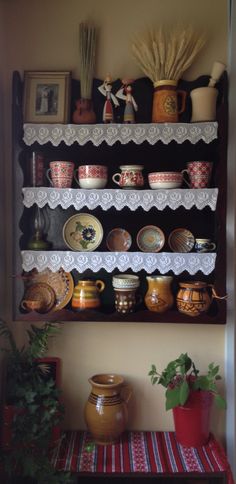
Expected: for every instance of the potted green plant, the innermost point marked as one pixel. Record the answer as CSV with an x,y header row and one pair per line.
x,y
32,409
190,395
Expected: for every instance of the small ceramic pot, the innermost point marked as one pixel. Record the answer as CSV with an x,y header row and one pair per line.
x,y
204,245
86,295
159,297
130,177
165,179
199,174
91,176
195,297
60,174
126,300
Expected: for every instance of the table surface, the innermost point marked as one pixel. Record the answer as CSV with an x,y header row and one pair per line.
x,y
140,453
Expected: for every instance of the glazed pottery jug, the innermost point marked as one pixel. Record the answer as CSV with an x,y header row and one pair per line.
x,y
195,297
203,104
84,113
165,102
86,294
159,297
106,412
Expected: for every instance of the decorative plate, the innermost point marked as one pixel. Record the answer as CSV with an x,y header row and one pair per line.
x,y
181,240
118,240
62,282
150,239
83,232
40,291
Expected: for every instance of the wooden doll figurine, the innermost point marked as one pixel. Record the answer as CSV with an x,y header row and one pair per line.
x,y
125,93
105,89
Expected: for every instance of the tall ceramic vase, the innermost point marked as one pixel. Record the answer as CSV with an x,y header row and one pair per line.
x,y
159,297
106,411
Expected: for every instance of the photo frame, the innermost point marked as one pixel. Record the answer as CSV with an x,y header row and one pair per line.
x,y
46,97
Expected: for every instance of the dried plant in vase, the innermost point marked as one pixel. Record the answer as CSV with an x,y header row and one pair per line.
x,y
164,57
87,53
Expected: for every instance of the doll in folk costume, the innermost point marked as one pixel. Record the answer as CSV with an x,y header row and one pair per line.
x,y
125,93
105,89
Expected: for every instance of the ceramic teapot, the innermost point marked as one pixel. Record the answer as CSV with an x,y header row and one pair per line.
x,y
86,294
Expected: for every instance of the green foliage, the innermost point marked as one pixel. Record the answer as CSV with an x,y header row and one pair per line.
x,y
37,404
181,376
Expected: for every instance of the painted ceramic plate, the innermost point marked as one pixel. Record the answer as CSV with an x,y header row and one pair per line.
x,y
181,240
118,240
150,239
83,232
62,283
40,291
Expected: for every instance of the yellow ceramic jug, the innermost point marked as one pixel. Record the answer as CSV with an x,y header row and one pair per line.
x,y
86,294
159,297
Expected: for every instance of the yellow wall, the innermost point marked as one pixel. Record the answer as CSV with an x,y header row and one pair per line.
x,y
44,35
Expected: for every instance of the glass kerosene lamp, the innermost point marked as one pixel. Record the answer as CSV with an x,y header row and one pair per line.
x,y
37,241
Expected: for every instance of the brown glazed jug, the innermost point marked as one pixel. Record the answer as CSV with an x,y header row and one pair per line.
x,y
159,297
165,102
195,298
84,113
106,412
86,294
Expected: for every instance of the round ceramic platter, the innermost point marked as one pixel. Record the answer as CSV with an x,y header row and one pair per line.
x,y
42,292
62,283
118,240
181,240
83,232
150,239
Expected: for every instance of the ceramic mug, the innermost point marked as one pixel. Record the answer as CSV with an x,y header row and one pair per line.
x,y
130,177
199,173
126,300
31,304
91,176
204,245
60,174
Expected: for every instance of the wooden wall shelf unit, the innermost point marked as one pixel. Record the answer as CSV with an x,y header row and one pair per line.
x,y
159,147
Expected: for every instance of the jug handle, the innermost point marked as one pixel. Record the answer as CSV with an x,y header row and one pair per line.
x,y
184,179
126,392
183,95
100,285
214,293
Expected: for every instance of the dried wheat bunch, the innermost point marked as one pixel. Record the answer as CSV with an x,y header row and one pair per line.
x,y
167,55
87,51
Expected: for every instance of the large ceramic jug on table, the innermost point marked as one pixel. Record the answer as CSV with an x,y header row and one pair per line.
x,y
106,412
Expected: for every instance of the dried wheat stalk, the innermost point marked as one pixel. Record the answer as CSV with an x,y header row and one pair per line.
x,y
87,51
167,55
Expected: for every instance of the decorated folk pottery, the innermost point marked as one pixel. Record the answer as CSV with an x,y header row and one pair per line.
x,y
165,102
195,297
125,286
91,176
204,245
60,174
203,104
86,295
159,297
106,412
130,177
84,113
199,173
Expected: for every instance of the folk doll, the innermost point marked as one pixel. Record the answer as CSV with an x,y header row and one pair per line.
x,y
105,89
125,93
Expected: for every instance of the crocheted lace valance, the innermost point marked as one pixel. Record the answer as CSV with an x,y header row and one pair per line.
x,y
136,261
119,199
111,133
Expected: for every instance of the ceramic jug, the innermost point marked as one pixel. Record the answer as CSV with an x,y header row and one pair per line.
x,y
86,294
159,297
195,297
165,102
106,411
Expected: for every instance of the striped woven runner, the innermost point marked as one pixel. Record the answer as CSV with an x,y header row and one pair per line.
x,y
139,452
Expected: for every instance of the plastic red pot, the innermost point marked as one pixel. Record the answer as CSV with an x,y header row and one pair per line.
x,y
192,421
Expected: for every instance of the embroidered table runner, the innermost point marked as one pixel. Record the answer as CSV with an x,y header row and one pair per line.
x,y
139,452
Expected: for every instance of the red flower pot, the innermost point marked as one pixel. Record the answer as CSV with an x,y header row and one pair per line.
x,y
192,420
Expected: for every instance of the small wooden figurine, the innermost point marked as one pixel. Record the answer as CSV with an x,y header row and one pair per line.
x,y
105,89
125,93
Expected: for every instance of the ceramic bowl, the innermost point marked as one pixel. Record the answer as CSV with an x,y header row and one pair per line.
x,y
165,179
150,239
118,240
181,240
92,176
125,281
82,232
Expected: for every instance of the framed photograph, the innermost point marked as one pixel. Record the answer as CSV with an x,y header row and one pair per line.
x,y
46,97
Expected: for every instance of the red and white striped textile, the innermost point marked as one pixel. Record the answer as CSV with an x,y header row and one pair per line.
x,y
139,452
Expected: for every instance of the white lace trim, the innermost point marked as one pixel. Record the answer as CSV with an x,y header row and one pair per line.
x,y
119,199
111,133
163,261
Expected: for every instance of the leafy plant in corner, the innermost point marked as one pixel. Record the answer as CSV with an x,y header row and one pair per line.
x,y
181,377
32,392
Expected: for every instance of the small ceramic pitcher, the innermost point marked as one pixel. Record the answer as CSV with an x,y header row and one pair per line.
x,y
106,411
159,297
165,102
195,297
130,177
86,295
